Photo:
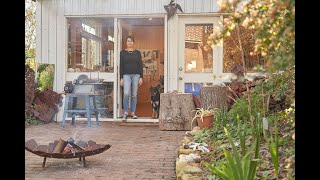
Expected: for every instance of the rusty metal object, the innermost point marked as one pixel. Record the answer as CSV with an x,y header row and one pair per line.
x,y
89,148
30,88
42,105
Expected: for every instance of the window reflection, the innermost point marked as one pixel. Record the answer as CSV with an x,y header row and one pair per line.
x,y
198,54
90,45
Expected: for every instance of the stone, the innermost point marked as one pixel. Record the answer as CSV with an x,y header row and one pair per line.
x,y
194,158
186,146
185,151
189,177
196,130
187,168
186,140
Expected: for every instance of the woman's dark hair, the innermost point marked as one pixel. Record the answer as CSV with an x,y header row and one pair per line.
x,y
130,37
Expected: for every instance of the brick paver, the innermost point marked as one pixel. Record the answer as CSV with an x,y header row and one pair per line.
x,y
137,152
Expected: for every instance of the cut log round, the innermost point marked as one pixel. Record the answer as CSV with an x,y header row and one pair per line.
x,y
213,97
60,146
176,111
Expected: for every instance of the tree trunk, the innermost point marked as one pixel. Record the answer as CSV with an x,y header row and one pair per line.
x,y
213,96
176,111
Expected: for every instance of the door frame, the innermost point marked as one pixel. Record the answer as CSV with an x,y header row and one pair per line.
x,y
118,46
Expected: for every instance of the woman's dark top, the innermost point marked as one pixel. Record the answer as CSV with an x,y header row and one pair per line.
x,y
130,63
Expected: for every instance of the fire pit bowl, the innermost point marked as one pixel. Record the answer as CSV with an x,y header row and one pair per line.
x,y
87,149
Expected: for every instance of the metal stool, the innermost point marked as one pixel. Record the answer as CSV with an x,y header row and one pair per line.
x,y
87,97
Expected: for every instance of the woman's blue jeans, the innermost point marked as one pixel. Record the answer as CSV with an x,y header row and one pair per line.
x,y
130,87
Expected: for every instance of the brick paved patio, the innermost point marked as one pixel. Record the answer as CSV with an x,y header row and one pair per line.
x,y
137,152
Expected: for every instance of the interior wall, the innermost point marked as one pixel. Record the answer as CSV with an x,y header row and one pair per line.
x,y
149,37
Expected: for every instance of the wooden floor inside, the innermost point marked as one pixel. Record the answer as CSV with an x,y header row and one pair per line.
x,y
144,110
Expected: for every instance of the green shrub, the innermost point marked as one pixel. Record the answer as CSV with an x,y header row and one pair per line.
x,y
46,78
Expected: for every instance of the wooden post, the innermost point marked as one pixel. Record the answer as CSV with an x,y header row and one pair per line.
x,y
176,111
213,96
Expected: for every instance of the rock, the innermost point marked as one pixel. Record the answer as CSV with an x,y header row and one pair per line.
x,y
189,177
196,130
186,146
189,134
186,140
187,168
194,158
203,147
185,151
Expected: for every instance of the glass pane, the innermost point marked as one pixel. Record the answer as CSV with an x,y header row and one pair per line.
x,y
90,45
198,54
104,102
232,54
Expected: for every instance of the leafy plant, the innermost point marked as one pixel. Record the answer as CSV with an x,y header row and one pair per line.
x,y
202,112
273,147
237,168
201,137
46,78
31,120
242,135
221,117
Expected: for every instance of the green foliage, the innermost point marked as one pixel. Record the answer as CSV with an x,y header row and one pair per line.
x,y
31,120
31,63
242,135
273,147
221,118
201,137
237,167
273,23
46,78
240,108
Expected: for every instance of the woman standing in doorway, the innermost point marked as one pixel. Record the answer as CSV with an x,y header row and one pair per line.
x,y
131,72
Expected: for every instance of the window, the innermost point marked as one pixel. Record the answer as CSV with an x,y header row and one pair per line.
x,y
198,54
90,45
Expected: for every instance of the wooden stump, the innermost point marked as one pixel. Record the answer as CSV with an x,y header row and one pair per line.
x,y
213,96
176,111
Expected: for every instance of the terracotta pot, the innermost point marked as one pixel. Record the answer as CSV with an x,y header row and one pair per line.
x,y
205,122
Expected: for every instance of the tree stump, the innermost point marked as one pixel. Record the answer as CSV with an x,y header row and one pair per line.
x,y
213,96
176,111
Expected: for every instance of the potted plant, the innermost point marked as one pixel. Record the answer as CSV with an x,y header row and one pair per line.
x,y
204,117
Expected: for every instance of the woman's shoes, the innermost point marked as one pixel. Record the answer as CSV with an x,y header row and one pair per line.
x,y
134,116
125,117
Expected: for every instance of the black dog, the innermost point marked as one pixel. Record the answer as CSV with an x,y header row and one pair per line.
x,y
155,101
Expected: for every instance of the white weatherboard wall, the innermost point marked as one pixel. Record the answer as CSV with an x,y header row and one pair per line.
x,y
51,28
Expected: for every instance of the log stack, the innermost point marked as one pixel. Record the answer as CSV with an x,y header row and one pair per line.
x,y
237,89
